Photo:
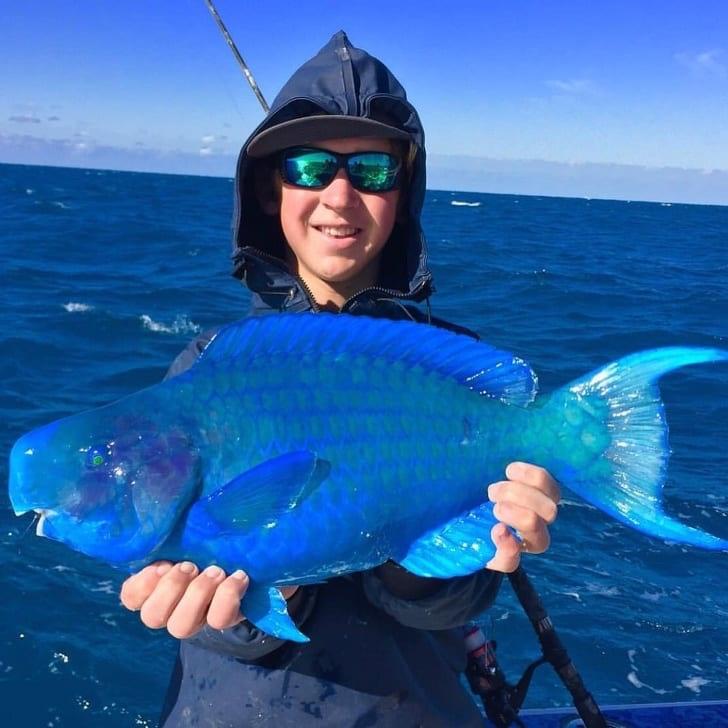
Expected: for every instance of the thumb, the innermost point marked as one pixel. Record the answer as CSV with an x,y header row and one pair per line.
x,y
508,550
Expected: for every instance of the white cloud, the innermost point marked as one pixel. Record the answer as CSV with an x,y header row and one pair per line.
x,y
24,119
706,63
572,86
28,149
208,139
205,151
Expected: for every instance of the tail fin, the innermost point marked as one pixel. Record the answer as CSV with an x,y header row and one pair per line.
x,y
626,480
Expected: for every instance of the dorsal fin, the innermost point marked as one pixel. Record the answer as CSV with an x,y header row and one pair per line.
x,y
478,366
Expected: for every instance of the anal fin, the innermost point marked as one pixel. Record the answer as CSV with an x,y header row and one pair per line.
x,y
266,608
462,546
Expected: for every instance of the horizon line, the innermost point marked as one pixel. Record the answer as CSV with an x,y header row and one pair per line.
x,y
552,195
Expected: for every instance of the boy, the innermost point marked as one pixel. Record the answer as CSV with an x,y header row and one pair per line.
x,y
329,190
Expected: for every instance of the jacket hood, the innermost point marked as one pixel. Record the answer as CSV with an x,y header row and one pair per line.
x,y
355,92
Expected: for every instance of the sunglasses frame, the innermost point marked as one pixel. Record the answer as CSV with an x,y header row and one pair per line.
x,y
342,162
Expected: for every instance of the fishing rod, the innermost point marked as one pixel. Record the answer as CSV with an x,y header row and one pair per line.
x,y
554,652
501,701
231,43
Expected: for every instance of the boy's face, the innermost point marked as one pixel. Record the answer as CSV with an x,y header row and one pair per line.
x,y
337,233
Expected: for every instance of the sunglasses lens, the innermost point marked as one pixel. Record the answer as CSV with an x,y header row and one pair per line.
x,y
373,171
315,168
309,168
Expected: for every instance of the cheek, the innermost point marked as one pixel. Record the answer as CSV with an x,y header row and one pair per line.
x,y
296,206
383,210
88,494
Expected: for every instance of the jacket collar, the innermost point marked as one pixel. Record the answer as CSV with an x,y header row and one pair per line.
x,y
276,289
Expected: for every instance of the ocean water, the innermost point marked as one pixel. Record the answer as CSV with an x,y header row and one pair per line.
x,y
106,275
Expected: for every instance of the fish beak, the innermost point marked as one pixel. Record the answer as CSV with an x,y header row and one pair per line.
x,y
41,521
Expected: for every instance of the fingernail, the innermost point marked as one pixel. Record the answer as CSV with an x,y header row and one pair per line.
x,y
492,490
162,569
187,567
213,571
513,470
240,575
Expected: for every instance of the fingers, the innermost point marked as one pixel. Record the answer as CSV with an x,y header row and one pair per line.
x,y
137,588
508,550
536,477
529,525
224,608
190,612
528,502
159,605
182,600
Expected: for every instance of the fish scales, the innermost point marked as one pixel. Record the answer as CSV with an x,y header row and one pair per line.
x,y
383,456
302,446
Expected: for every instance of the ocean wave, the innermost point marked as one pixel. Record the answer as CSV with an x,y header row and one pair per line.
x,y
694,683
51,205
181,325
463,203
73,307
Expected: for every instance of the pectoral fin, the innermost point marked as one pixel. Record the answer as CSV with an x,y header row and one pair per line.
x,y
258,495
266,608
462,546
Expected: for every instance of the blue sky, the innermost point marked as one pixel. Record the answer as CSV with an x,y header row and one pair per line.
x,y
152,85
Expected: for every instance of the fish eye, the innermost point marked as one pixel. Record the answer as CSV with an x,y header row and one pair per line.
x,y
97,456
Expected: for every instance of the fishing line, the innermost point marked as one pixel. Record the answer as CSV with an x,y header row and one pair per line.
x,y
32,523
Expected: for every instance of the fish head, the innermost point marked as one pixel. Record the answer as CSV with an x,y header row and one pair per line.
x,y
111,485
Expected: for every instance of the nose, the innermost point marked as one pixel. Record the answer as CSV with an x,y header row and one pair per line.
x,y
339,194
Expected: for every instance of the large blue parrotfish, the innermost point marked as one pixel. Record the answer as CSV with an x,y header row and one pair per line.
x,y
302,446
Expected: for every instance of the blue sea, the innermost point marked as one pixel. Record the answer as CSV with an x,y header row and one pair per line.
x,y
106,275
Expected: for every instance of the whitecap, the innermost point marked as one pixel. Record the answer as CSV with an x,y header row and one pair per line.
x,y
181,325
632,675
463,203
694,683
29,191
73,307
105,587
652,596
59,658
603,591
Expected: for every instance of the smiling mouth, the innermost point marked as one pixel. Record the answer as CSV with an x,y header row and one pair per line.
x,y
339,231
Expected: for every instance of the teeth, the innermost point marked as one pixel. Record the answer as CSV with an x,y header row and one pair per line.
x,y
41,521
338,232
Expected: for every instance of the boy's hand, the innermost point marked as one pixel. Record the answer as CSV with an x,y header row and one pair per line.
x,y
183,600
527,502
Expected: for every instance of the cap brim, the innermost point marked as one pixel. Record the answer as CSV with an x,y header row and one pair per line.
x,y
310,129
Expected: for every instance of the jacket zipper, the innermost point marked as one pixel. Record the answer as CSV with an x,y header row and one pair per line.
x,y
307,291
378,289
298,279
